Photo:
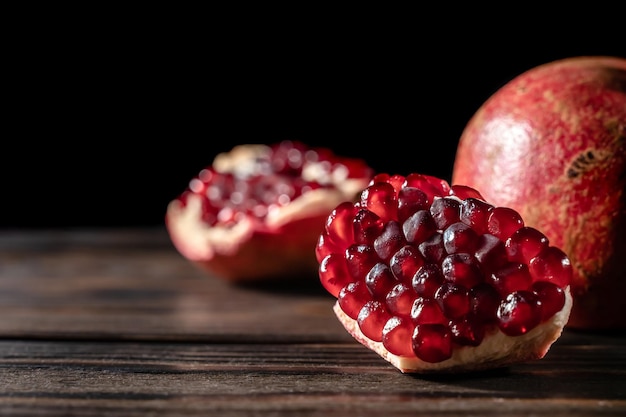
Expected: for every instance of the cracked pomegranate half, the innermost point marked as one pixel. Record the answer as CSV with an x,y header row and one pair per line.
x,y
434,278
256,212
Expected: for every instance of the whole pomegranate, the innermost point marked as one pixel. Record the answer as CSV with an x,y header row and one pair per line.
x,y
255,213
435,279
551,144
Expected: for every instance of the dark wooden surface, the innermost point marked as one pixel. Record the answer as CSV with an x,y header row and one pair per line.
x,y
116,322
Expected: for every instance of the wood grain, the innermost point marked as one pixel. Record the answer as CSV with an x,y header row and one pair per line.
x,y
117,323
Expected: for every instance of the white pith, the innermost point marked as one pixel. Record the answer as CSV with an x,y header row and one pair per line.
x,y
497,348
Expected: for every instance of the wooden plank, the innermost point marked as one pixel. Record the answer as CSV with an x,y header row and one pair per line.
x,y
582,375
122,285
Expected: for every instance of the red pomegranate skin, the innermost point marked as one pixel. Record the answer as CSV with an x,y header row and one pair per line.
x,y
551,143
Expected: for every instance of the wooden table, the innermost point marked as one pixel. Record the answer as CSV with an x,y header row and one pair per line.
x,y
116,322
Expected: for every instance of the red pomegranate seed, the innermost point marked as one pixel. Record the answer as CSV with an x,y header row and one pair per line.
x,y
397,182
432,249
410,200
325,246
525,243
551,296
503,221
405,263
397,335
445,211
459,237
475,213
353,297
419,227
432,342
467,332
334,273
453,299
380,280
427,311
339,224
360,259
490,253
372,319
465,192
381,199
510,278
552,265
427,280
367,226
462,269
429,185
390,240
519,313
484,303
400,299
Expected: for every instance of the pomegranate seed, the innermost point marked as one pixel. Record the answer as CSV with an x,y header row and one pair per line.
x,y
325,246
503,221
454,300
397,335
360,259
525,243
490,253
427,311
510,278
445,211
400,299
430,187
465,192
372,319
519,313
432,249
461,269
380,280
475,213
405,263
353,297
552,265
484,303
459,237
432,342
467,332
334,273
427,280
419,227
339,224
367,226
551,296
390,241
410,200
397,182
380,198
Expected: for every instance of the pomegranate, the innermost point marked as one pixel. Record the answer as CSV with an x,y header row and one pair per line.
x,y
551,144
256,212
434,278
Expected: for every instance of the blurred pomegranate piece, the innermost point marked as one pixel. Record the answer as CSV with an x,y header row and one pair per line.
x,y
439,280
257,211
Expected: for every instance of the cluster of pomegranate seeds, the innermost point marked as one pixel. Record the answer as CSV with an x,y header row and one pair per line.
x,y
274,178
425,267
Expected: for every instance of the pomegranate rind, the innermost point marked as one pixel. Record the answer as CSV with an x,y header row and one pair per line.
x,y
280,246
497,349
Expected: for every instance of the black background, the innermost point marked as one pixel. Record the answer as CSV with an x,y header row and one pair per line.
x,y
109,120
